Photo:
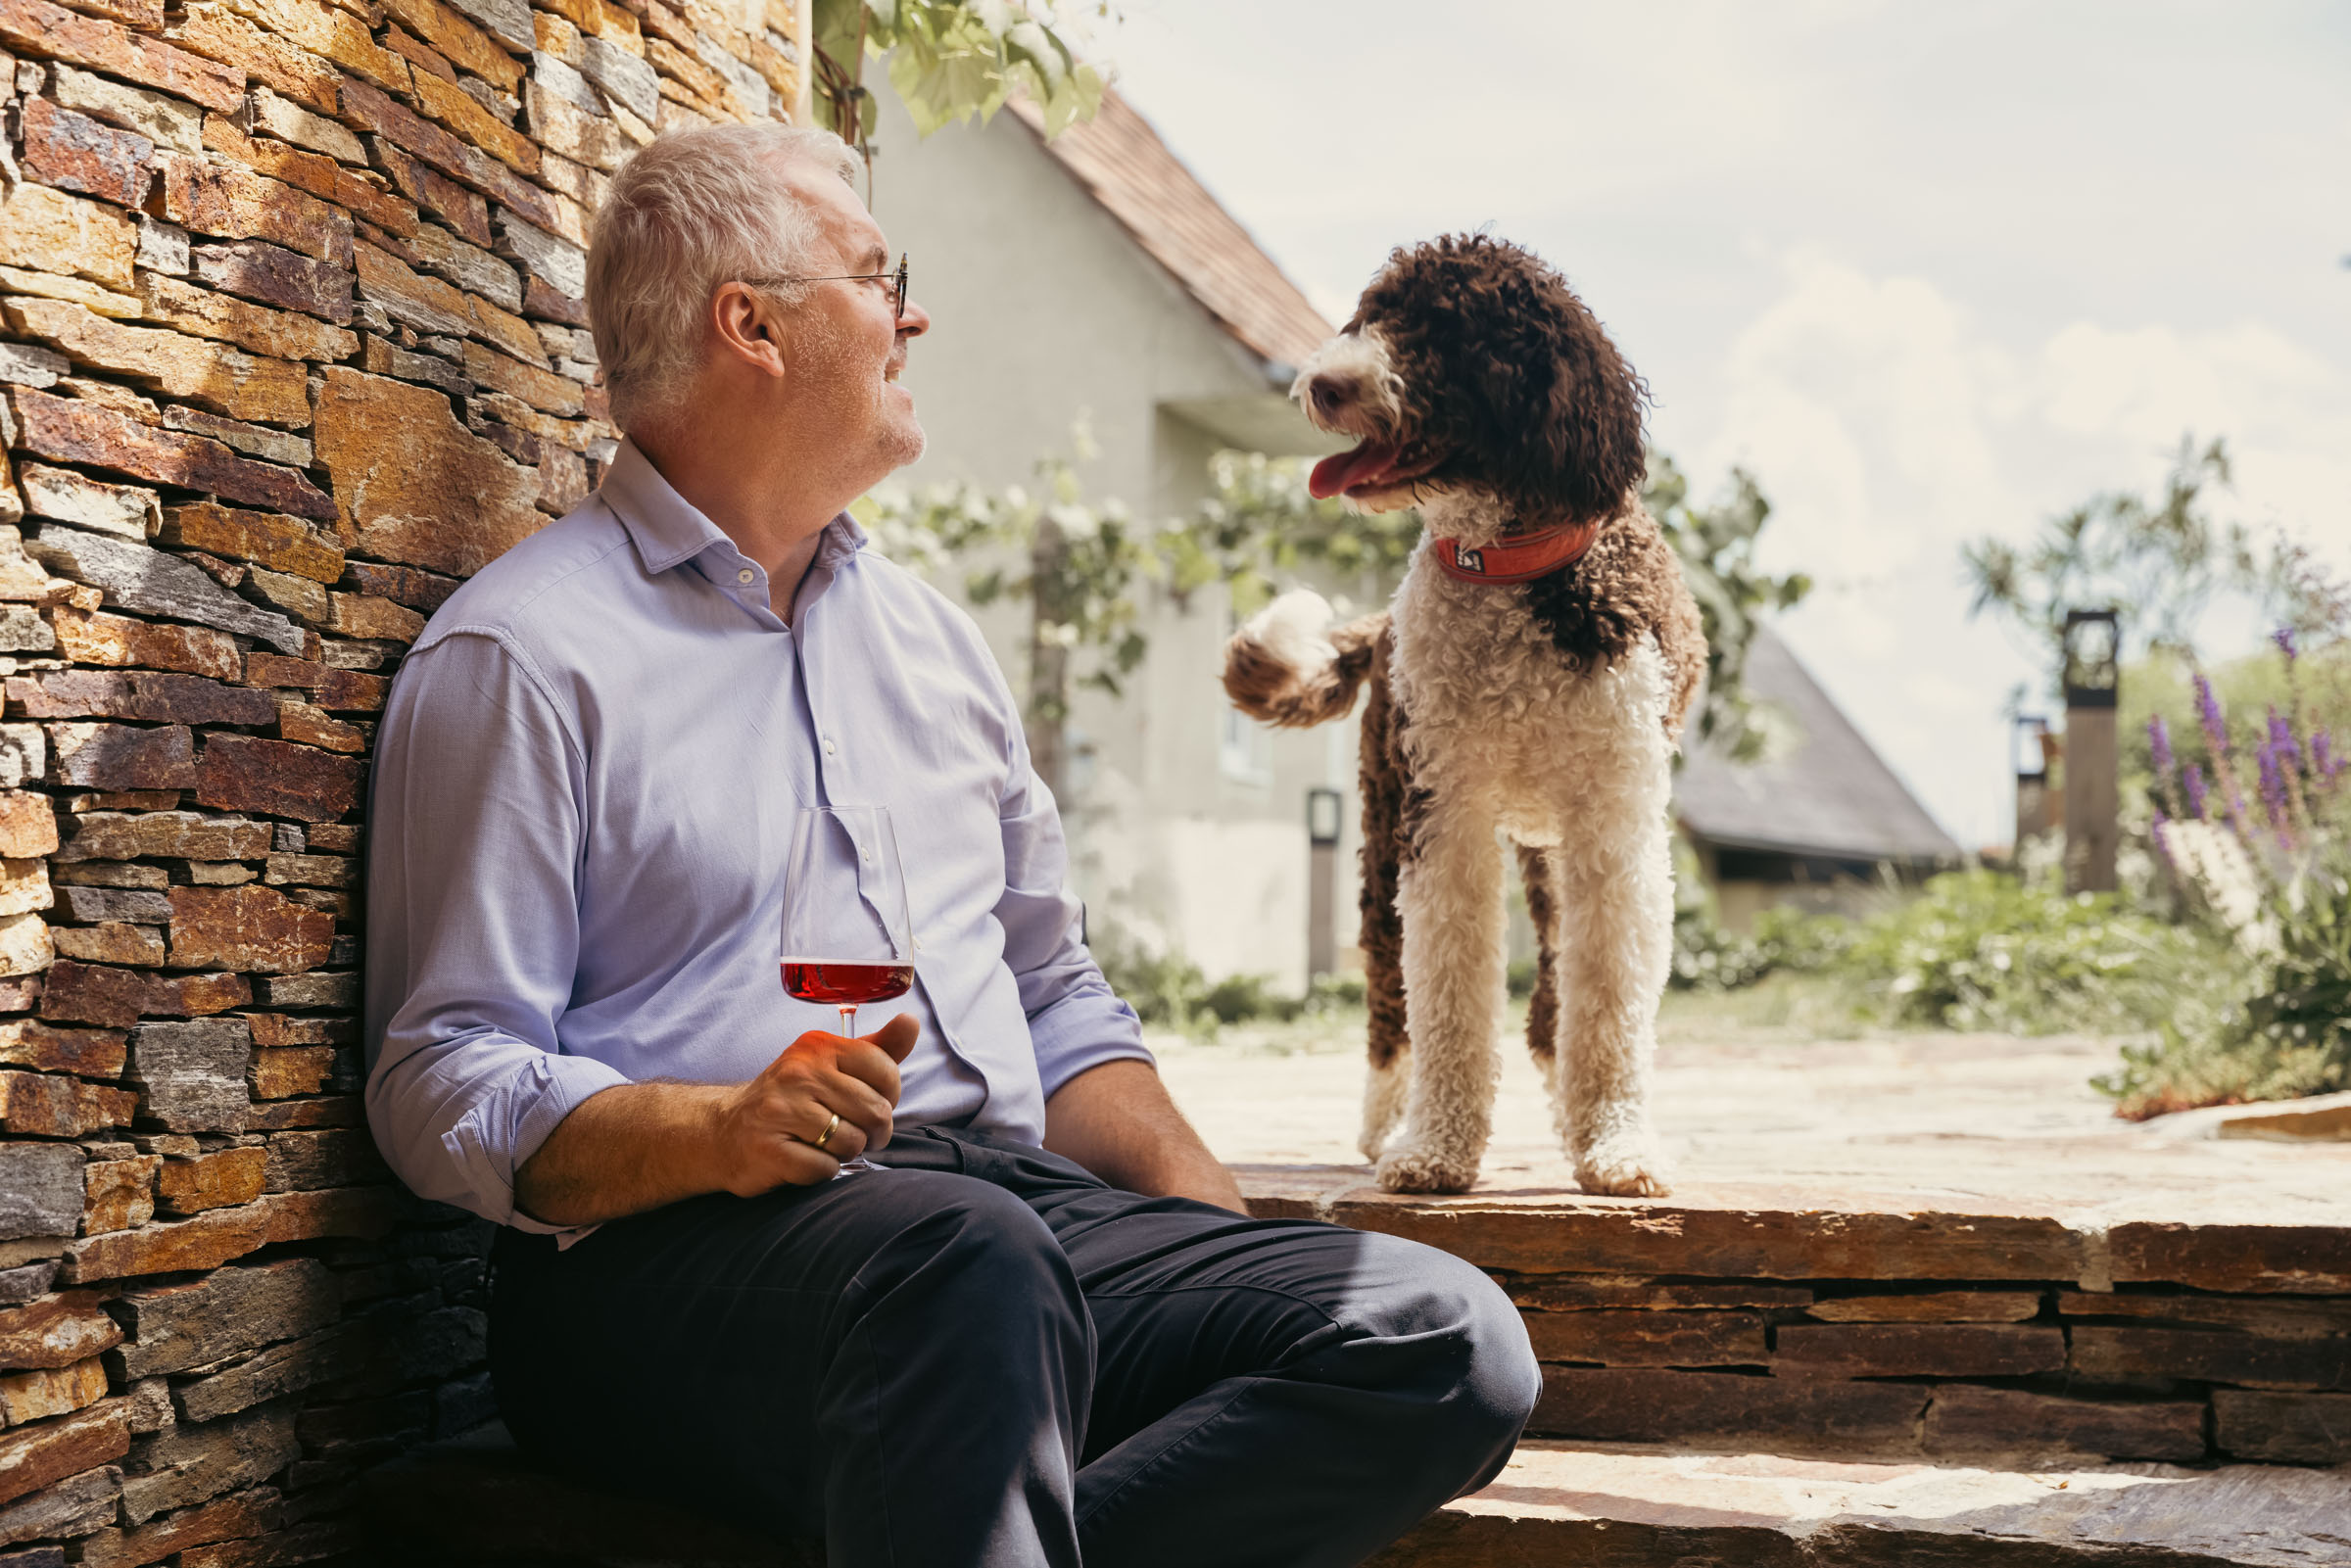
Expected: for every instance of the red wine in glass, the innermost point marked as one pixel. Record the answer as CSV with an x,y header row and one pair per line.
x,y
847,936
817,979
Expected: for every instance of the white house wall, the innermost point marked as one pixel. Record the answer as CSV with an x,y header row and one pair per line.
x,y
1045,311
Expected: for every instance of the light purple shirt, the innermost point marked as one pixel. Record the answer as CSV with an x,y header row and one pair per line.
x,y
584,787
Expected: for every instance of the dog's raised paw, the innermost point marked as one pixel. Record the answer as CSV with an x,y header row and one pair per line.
x,y
1409,1169
1617,1171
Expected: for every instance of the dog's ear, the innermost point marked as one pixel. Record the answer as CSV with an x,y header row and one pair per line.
x,y
1591,429
1561,410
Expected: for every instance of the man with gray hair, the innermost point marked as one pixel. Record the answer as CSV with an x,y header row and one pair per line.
x,y
1039,1329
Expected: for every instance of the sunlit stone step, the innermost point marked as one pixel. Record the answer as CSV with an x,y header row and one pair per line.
x,y
1561,1507
1904,1326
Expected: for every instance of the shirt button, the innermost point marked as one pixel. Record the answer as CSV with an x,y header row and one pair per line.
x,y
829,747
746,575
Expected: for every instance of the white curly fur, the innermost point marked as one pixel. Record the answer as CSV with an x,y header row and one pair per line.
x,y
1509,739
1361,357
1290,629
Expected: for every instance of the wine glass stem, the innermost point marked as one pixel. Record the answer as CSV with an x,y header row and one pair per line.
x,y
848,1019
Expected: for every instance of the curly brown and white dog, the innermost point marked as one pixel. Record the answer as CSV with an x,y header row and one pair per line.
x,y
1531,677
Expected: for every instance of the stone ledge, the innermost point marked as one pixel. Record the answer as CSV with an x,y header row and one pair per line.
x,y
1652,1509
1836,1323
1759,1232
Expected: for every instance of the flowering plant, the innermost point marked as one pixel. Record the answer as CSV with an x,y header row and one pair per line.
x,y
2272,864
2251,859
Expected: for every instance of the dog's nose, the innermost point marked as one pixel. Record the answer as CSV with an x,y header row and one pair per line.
x,y
1328,393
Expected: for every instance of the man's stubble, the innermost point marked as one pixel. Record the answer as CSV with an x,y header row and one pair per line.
x,y
842,375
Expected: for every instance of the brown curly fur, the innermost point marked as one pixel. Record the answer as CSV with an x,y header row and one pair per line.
x,y
1507,374
1268,689
1627,587
1387,843
1504,376
1542,1007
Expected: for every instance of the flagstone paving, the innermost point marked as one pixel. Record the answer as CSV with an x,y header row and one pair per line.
x,y
1992,1122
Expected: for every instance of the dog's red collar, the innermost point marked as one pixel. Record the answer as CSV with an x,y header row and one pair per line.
x,y
1519,558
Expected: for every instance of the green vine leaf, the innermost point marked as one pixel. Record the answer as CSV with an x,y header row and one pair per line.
x,y
949,61
1086,571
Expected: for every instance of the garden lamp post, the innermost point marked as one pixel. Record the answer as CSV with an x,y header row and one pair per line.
x,y
2030,743
1321,882
2092,796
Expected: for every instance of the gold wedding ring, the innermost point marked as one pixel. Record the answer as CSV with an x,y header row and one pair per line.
x,y
830,1128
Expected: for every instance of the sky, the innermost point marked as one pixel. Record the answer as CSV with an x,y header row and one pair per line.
x,y
1930,272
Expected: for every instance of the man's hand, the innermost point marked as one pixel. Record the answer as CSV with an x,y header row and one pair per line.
x,y
643,1145
766,1132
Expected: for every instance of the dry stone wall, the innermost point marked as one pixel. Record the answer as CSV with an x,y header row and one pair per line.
x,y
291,340
1847,1329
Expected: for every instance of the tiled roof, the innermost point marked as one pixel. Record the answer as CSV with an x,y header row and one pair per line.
x,y
1829,793
1123,165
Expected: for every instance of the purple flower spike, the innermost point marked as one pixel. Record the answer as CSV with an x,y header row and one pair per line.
x,y
2163,844
2323,760
2208,709
2272,784
2192,780
2283,637
2282,743
2159,741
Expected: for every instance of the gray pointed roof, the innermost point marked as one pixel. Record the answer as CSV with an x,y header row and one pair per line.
x,y
1827,793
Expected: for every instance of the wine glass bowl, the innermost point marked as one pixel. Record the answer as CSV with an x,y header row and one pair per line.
x,y
845,984
846,937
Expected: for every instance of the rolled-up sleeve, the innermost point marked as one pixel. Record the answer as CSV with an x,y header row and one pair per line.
x,y
1075,1020
474,845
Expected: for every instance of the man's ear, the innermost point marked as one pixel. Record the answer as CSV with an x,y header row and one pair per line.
x,y
748,327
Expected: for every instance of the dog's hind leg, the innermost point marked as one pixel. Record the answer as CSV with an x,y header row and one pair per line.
x,y
1449,894
1539,876
1382,783
1386,1086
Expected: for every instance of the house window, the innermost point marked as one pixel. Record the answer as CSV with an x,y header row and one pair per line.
x,y
1244,750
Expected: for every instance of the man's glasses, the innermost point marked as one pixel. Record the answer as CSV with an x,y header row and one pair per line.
x,y
898,281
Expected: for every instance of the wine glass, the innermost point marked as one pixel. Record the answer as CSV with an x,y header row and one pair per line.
x,y
847,936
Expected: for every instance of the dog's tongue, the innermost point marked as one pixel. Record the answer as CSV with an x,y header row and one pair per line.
x,y
1343,471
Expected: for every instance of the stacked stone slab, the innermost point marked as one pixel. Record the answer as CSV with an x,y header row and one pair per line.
x,y
1824,1325
291,342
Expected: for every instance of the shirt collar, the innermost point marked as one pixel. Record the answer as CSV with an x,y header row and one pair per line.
x,y
667,529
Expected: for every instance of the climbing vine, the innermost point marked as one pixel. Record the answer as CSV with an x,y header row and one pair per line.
x,y
1083,569
949,60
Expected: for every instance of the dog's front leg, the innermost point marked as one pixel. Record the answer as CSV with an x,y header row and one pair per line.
x,y
1617,903
1449,894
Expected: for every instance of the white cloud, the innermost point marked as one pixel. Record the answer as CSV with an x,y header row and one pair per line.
x,y
1888,427
1866,403
1916,266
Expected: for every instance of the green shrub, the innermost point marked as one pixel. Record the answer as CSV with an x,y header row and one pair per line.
x,y
1241,998
1164,988
1168,990
1521,978
1706,957
1979,950
1335,993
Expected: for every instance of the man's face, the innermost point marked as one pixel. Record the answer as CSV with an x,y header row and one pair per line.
x,y
847,343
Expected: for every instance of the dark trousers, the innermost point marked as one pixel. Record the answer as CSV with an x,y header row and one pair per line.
x,y
984,1358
